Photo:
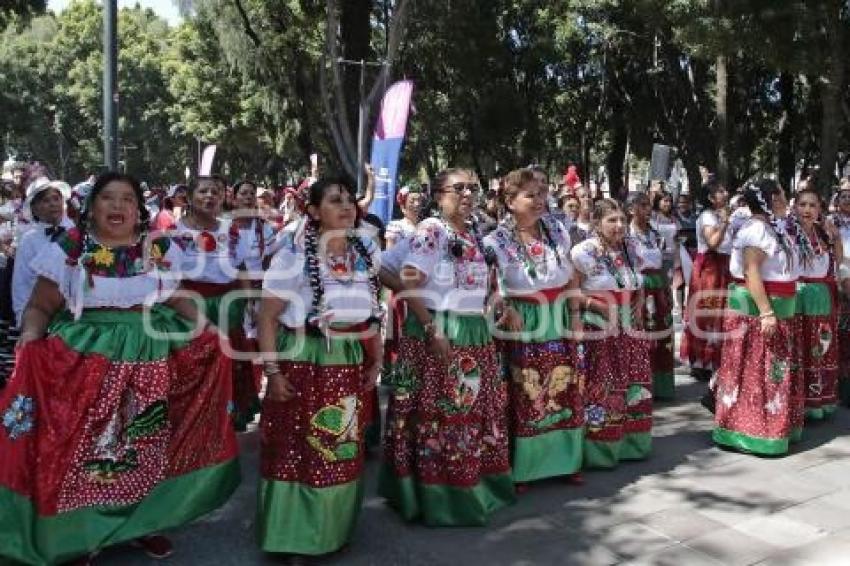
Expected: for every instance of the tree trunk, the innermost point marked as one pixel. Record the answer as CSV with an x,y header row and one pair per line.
x,y
721,105
831,98
787,160
721,108
616,158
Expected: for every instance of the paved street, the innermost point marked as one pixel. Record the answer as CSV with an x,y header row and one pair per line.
x,y
690,504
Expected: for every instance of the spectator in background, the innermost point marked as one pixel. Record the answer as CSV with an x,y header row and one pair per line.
x,y
687,218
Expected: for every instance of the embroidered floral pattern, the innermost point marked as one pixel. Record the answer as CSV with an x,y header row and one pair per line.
x,y
19,417
340,423
595,416
464,391
121,261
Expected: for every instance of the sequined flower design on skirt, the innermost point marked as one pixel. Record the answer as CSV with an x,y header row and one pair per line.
x,y
595,415
19,417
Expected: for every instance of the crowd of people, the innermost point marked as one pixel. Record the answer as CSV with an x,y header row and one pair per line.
x,y
522,333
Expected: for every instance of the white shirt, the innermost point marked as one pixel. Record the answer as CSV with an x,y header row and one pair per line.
x,y
456,284
155,274
668,229
347,295
650,247
211,256
842,222
707,219
611,271
398,230
549,271
255,255
24,278
756,233
393,258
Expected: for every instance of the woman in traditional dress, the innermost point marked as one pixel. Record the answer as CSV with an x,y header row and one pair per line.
x,y
703,316
446,458
618,396
398,236
818,245
759,396
259,237
409,199
45,207
319,334
658,299
214,254
535,272
841,220
115,423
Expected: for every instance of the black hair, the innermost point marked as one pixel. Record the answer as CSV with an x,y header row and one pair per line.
x,y
238,184
193,186
661,195
315,195
101,183
376,221
759,195
708,190
563,200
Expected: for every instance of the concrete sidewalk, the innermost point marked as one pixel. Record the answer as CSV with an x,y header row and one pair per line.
x,y
690,504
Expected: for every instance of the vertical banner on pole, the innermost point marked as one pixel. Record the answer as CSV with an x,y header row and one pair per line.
x,y
386,146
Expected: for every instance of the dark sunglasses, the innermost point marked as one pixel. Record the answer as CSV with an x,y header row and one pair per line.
x,y
460,188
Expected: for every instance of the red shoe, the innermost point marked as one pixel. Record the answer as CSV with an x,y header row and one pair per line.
x,y
575,479
157,547
520,488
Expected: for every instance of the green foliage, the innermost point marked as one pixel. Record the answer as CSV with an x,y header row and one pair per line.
x,y
498,84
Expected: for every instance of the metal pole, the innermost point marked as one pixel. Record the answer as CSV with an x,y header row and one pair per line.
x,y
110,84
361,128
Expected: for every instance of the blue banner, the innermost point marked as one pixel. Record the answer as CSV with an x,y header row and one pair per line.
x,y
386,147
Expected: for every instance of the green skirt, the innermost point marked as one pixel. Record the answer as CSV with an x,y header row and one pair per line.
x,y
446,451
113,428
546,405
311,448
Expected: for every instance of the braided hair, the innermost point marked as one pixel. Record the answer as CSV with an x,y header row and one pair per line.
x,y
795,229
311,246
758,196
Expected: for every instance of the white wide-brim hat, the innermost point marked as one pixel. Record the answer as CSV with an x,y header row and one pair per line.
x,y
39,186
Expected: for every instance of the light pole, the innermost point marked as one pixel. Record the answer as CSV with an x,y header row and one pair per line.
x,y
361,115
110,84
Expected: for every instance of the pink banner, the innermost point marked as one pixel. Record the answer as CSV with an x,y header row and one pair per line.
x,y
394,111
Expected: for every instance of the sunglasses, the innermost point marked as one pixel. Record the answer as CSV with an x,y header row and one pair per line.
x,y
460,188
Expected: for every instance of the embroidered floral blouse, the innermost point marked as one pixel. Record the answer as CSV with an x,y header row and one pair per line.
x,y
533,266
454,283
90,275
398,230
211,256
347,291
259,243
608,271
650,246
